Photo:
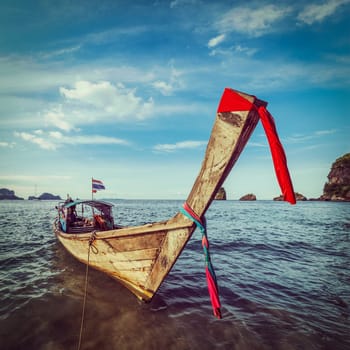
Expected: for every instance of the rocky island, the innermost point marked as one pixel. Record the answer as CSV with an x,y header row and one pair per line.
x,y
298,197
45,196
337,188
221,194
8,194
248,197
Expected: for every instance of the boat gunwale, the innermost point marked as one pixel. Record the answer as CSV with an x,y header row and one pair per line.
x,y
162,226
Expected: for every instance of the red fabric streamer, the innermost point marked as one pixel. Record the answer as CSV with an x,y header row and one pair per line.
x,y
205,242
232,101
278,155
213,293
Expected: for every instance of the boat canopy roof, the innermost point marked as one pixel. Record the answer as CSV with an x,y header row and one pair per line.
x,y
100,205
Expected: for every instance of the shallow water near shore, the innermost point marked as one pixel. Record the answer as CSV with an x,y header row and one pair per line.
x,y
283,275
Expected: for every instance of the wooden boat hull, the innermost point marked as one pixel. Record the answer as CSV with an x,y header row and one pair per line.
x,y
138,257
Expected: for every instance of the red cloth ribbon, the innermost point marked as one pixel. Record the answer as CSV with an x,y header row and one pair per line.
x,y
192,213
232,101
278,156
213,293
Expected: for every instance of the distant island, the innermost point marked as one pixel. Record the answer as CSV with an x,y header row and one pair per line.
x,y
298,197
45,196
336,189
8,194
220,195
248,197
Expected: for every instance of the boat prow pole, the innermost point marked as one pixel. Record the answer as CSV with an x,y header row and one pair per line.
x,y
231,131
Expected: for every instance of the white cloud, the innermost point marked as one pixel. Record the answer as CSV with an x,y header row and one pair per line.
x,y
165,88
252,21
216,41
174,82
56,134
325,132
93,140
246,50
34,178
87,102
178,3
57,118
318,12
256,144
111,35
41,142
236,50
112,102
30,74
60,52
6,144
302,138
54,139
179,145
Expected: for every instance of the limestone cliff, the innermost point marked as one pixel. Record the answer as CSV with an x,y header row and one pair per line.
x,y
221,194
338,186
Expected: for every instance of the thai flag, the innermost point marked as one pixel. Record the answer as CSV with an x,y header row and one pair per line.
x,y
97,185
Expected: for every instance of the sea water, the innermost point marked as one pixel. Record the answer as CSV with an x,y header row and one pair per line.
x,y
283,273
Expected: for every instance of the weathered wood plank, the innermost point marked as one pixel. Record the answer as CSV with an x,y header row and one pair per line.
x,y
142,241
230,133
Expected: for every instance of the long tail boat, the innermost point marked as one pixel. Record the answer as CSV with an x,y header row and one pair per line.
x,y
141,257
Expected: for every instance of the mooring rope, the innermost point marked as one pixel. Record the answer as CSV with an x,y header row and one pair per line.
x,y
91,241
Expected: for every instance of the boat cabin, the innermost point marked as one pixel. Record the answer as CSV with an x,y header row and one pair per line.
x,y
83,216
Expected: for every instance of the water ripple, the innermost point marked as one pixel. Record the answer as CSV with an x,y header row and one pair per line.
x,y
283,274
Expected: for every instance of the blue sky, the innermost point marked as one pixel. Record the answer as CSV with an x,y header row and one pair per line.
x,y
127,92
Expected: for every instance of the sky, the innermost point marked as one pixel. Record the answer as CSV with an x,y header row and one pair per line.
x,y
127,92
